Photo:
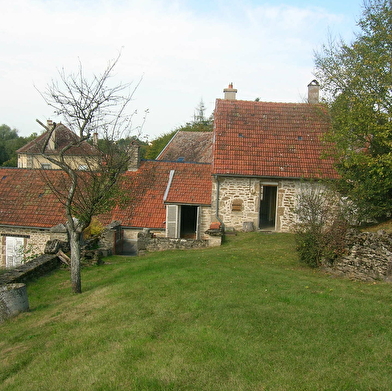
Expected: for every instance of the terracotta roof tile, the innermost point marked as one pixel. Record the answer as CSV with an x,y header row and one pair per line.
x,y
271,139
191,184
26,199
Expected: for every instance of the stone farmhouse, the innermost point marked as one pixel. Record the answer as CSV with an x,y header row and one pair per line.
x,y
80,156
262,152
244,175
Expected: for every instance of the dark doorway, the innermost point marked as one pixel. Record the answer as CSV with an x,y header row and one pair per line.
x,y
268,208
188,228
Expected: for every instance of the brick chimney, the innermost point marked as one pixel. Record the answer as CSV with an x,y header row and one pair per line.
x,y
313,92
134,153
230,92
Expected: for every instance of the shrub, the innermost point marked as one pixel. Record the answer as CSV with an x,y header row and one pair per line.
x,y
321,226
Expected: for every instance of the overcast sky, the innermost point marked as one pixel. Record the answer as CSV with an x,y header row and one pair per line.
x,y
185,50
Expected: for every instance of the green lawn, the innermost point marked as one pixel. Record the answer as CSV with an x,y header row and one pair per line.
x,y
245,316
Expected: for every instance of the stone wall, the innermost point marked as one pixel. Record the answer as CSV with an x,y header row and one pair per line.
x,y
148,242
368,257
239,201
30,270
161,244
34,240
287,195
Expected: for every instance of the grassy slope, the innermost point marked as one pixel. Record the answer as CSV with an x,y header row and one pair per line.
x,y
244,316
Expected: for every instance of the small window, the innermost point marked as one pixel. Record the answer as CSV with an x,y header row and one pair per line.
x,y
83,167
236,206
46,166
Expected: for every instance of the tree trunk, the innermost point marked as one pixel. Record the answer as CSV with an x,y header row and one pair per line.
x,y
74,239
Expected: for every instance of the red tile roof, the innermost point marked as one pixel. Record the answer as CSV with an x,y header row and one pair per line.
x,y
63,137
26,199
191,184
189,146
281,140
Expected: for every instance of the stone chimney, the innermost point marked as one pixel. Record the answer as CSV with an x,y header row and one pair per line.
x,y
95,139
134,156
52,141
313,92
230,92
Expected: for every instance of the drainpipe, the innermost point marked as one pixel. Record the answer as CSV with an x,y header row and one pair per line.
x,y
217,203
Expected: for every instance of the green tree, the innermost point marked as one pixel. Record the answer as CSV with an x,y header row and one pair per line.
x,y
11,146
357,80
156,146
6,135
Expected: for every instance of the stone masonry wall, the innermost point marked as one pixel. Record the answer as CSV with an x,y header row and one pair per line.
x,y
205,221
35,240
285,216
35,268
239,202
368,257
161,244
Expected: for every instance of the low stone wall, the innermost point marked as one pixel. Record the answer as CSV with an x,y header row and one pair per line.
x,y
160,244
368,257
30,270
146,242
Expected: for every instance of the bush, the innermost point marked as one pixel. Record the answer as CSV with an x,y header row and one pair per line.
x,y
321,227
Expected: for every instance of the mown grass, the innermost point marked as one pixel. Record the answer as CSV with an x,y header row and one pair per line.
x,y
245,316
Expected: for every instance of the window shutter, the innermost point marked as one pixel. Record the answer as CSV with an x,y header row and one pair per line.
x,y
14,251
198,222
172,219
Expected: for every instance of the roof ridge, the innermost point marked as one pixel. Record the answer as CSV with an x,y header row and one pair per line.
x,y
173,161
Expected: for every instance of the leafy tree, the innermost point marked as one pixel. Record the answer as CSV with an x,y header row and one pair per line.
x,y
157,145
11,146
6,134
357,79
89,106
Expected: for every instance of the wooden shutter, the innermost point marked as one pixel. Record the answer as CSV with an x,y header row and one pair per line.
x,y
172,221
14,251
198,211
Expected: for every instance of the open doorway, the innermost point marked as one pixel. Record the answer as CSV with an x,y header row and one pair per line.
x,y
182,221
268,208
189,218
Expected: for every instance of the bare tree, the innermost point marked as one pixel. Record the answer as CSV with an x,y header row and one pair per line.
x,y
95,110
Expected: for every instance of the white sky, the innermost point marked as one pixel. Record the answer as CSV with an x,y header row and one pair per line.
x,y
186,50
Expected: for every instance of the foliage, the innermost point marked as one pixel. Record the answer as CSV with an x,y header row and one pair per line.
x,y
357,79
156,146
10,142
244,316
321,226
29,253
200,123
94,229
